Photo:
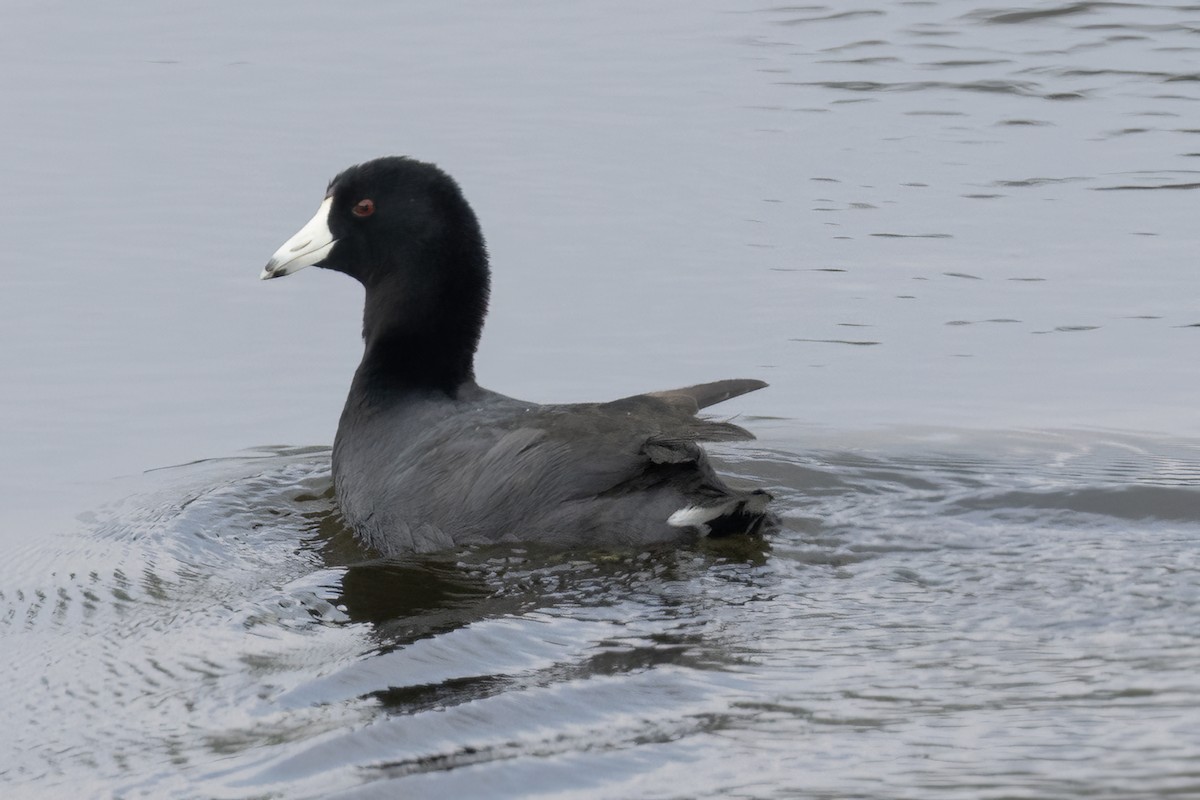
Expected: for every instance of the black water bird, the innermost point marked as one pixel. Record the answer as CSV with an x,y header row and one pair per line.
x,y
426,459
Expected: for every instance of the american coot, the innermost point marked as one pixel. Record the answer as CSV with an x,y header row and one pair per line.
x,y
426,459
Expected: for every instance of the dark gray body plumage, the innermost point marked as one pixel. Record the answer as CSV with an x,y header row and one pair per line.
x,y
428,473
425,459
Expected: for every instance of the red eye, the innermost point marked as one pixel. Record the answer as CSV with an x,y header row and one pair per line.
x,y
364,208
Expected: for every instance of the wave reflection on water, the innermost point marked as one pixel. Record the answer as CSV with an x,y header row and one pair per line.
x,y
1000,197
941,613
1045,152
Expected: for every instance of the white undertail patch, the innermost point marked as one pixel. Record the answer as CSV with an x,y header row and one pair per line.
x,y
698,517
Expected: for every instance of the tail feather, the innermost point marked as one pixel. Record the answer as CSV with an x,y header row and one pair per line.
x,y
703,395
743,514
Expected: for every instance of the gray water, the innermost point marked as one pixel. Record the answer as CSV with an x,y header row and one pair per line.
x,y
959,240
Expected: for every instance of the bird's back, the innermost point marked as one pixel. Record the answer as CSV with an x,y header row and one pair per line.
x,y
429,473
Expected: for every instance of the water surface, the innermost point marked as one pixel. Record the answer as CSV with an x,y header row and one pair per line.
x,y
959,241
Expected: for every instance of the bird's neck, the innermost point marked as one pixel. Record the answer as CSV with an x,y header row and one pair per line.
x,y
420,335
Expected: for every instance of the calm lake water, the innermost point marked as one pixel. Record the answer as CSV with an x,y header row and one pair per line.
x,y
959,240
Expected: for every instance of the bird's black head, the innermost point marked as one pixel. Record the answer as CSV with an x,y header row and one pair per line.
x,y
402,228
375,215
